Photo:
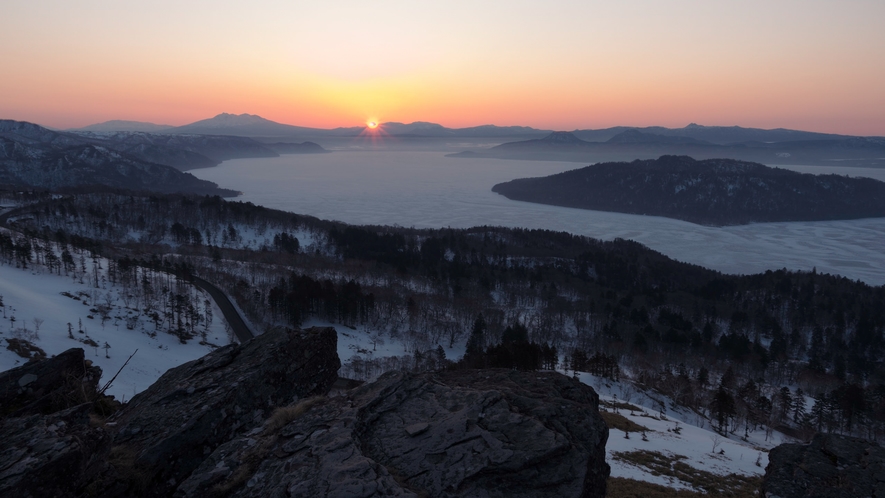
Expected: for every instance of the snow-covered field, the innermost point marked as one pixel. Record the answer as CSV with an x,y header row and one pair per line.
x,y
35,294
428,190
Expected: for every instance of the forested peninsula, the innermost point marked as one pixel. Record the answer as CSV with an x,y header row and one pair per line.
x,y
713,192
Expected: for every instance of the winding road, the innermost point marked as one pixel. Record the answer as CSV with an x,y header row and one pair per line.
x,y
233,317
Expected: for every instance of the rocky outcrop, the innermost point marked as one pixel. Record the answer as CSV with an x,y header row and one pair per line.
x,y
49,446
171,427
48,386
55,446
831,466
255,420
56,455
464,433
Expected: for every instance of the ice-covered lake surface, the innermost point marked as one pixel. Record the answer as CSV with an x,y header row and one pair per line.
x,y
428,190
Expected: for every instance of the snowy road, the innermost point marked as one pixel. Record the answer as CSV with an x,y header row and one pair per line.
x,y
236,322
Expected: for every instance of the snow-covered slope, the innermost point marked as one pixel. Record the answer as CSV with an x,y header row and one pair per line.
x,y
37,157
57,300
679,435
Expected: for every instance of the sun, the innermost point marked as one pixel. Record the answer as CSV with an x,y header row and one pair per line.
x,y
374,130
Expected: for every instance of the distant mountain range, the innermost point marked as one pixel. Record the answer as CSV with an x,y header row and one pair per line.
x,y
31,155
36,156
804,148
714,134
777,146
121,125
710,192
250,125
243,125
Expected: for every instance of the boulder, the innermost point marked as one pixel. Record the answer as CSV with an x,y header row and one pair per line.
x,y
830,466
166,431
462,433
47,386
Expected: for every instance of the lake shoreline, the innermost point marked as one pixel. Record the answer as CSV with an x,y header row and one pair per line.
x,y
426,190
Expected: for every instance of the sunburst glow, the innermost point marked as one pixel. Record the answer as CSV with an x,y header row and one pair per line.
x,y
372,125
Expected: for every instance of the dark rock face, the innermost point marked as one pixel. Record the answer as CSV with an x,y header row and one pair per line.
x,y
49,448
173,425
54,448
465,433
831,466
47,386
54,455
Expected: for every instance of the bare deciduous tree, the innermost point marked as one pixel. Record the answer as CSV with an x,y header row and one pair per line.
x,y
717,441
37,323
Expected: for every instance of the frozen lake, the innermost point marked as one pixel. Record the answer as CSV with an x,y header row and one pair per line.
x,y
427,190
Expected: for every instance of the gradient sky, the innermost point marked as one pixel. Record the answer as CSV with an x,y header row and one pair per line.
x,y
810,64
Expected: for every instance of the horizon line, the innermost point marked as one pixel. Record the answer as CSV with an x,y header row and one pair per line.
x,y
363,125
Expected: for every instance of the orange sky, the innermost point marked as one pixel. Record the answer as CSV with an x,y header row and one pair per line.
x,y
811,64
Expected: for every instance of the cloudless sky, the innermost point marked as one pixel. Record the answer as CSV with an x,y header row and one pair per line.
x,y
810,64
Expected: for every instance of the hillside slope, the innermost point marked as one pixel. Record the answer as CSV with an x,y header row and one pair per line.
x,y
31,155
183,152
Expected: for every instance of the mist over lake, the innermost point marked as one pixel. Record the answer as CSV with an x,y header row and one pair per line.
x,y
424,189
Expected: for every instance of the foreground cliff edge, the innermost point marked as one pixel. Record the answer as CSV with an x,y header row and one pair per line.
x,y
254,420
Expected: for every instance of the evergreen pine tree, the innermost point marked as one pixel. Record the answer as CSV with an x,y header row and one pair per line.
x,y
722,408
798,405
476,343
